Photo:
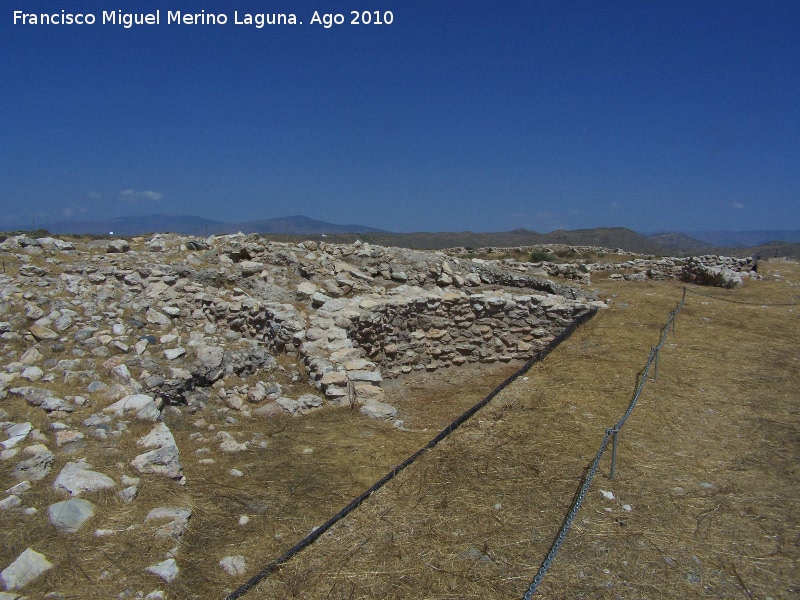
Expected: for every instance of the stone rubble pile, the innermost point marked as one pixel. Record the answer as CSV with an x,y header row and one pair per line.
x,y
709,270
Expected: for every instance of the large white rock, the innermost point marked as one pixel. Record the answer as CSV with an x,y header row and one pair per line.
x,y
70,515
142,405
159,436
32,373
76,478
165,460
174,353
378,410
28,566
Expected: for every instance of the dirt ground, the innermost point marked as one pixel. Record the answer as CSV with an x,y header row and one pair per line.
x,y
705,497
705,501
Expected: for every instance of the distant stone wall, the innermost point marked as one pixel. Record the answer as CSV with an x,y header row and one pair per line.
x,y
712,270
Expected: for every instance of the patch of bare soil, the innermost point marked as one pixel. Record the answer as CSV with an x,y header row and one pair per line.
x,y
705,499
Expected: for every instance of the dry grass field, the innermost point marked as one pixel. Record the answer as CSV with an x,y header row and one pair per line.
x,y
705,502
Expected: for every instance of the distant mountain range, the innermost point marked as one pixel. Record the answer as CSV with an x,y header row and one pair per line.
x,y
764,243
191,225
745,238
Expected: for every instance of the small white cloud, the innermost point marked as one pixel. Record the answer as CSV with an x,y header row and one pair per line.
x,y
133,196
616,205
70,211
94,195
739,206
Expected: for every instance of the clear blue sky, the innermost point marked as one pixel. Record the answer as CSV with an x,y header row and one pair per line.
x,y
485,116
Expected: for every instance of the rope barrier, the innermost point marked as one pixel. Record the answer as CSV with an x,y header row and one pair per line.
x,y
356,502
610,432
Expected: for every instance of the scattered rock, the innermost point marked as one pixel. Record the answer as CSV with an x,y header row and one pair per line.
x,y
178,521
166,570
34,468
165,460
75,478
27,567
143,406
378,410
118,246
10,502
235,566
70,515
42,334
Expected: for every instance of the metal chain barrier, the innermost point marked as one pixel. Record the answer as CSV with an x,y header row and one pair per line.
x,y
611,432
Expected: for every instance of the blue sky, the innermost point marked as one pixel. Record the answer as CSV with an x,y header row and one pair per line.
x,y
483,116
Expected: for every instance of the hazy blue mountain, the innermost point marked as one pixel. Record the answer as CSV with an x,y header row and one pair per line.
x,y
299,225
138,225
680,242
746,239
192,225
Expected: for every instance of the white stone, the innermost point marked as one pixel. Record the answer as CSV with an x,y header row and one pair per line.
x,y
142,405
231,446
32,374
76,478
174,353
234,566
166,570
21,487
157,318
70,515
28,566
165,460
10,502
378,410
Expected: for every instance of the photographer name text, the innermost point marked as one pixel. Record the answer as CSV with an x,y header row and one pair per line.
x,y
129,20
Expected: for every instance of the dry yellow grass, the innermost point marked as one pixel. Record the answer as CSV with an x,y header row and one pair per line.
x,y
708,464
